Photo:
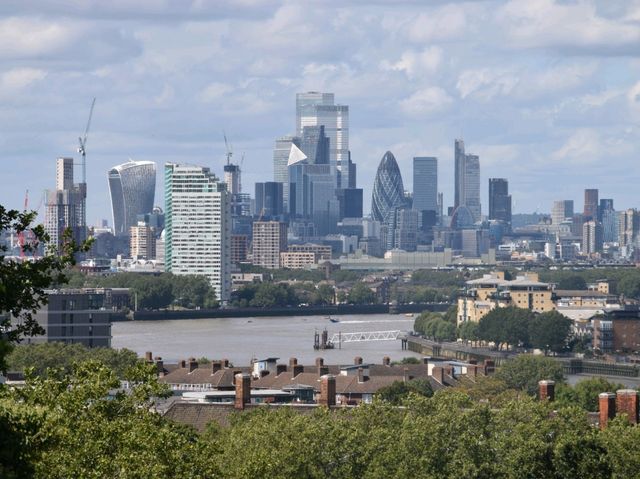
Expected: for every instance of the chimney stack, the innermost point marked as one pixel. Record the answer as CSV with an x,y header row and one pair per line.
x,y
489,366
322,370
183,363
160,366
297,369
243,390
327,390
292,362
357,360
607,407
193,364
386,361
225,363
472,371
215,366
319,362
281,368
546,390
473,361
405,375
361,377
627,403
148,357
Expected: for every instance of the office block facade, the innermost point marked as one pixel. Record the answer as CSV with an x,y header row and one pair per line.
x,y
132,188
499,200
425,183
467,180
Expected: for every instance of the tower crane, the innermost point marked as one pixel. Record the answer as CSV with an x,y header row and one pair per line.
x,y
83,143
227,147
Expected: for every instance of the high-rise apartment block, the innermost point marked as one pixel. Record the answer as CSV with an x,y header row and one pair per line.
x,y
142,241
591,237
66,206
425,183
198,226
467,180
590,204
269,240
628,227
132,186
499,200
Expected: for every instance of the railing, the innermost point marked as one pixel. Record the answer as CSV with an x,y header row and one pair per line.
x,y
366,336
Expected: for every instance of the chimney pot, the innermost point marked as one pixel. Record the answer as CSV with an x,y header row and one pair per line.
x,y
148,356
293,362
607,408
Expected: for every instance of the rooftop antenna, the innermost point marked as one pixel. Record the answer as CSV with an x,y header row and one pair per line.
x,y
83,143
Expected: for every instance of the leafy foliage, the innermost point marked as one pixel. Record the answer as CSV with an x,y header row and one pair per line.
x,y
524,372
506,325
549,331
399,391
360,293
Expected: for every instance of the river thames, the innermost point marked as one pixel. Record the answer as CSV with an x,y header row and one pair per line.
x,y
240,339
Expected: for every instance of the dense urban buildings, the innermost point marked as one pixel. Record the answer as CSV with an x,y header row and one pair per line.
x,y
269,240
561,211
66,206
198,225
132,186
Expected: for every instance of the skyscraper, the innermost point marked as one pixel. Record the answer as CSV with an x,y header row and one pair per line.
x,y
608,218
281,154
66,206
590,204
132,186
499,200
315,144
591,237
425,183
269,240
198,226
561,211
467,180
314,109
388,190
628,227
269,200
232,178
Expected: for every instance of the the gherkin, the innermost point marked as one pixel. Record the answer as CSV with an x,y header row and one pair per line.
x,y
388,190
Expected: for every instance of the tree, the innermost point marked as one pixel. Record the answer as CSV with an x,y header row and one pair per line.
x,y
23,283
360,293
505,325
445,331
324,294
526,370
398,391
469,331
549,331
585,393
572,282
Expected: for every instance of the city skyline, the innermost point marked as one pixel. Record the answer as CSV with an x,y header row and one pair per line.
x,y
561,101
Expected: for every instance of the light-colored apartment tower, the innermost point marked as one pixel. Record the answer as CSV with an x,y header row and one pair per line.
x,y
142,241
198,226
269,240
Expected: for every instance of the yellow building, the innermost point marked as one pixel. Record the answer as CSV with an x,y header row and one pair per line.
x,y
493,291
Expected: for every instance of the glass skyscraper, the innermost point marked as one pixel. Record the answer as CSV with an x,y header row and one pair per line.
x,y
281,154
467,180
132,187
499,200
388,190
425,183
314,109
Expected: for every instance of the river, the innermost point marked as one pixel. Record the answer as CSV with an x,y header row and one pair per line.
x,y
240,339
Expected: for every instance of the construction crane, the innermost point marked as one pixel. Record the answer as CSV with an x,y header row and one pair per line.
x,y
227,147
83,143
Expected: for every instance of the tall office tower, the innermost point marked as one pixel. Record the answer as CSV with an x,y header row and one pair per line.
x,y
66,206
269,200
467,180
561,211
440,210
388,190
628,226
142,241
350,201
609,220
132,186
425,183
402,229
352,173
605,204
591,237
315,144
198,225
269,240
281,154
499,200
590,204
315,108
232,178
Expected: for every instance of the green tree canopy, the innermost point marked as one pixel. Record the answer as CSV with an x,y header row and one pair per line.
x,y
360,293
549,331
524,372
506,325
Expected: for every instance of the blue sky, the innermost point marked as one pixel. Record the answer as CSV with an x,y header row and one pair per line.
x,y
546,92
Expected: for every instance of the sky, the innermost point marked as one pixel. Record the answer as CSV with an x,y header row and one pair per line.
x,y
546,92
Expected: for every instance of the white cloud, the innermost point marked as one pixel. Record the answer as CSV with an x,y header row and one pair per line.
x,y
572,28
414,63
486,83
20,78
24,37
426,101
445,23
215,91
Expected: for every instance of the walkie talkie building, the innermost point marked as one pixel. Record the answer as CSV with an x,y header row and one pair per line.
x,y
132,186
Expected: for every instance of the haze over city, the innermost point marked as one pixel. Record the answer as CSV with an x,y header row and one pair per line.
x,y
546,93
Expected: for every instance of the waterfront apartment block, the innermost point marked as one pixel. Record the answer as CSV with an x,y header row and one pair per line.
x,y
494,291
198,226
322,251
297,259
